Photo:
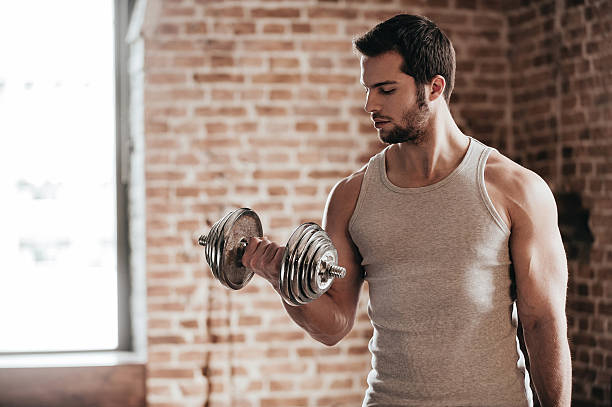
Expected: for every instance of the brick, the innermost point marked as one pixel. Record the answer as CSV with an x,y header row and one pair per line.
x,y
228,11
326,46
189,62
221,61
334,79
165,78
279,336
191,390
280,94
284,63
158,390
191,357
305,190
275,12
277,353
306,126
316,111
196,28
466,4
284,402
281,385
158,291
178,11
269,45
232,338
328,12
167,28
277,78
210,111
301,28
280,222
171,45
344,400
217,78
341,367
251,320
241,28
270,110
170,373
156,323
318,63
166,306
157,340
273,29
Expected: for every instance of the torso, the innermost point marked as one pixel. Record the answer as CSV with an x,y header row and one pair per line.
x,y
497,170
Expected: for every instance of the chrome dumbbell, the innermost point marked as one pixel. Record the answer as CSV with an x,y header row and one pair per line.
x,y
309,264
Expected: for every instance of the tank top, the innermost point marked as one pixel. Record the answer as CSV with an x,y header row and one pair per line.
x,y
437,262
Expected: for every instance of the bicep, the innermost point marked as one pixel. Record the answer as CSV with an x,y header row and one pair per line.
x,y
340,206
538,255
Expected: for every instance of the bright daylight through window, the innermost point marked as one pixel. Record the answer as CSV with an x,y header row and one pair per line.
x,y
58,246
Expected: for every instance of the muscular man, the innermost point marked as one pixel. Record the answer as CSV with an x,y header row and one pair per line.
x,y
453,238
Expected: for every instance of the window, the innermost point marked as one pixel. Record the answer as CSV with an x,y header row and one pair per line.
x,y
63,246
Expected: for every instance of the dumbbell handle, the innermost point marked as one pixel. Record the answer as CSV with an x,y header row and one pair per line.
x,y
331,269
203,240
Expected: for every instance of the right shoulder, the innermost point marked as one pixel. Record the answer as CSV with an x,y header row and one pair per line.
x,y
343,197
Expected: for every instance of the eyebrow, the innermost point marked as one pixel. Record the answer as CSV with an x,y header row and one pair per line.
x,y
376,85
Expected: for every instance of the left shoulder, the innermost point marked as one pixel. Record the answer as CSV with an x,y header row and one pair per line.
x,y
524,194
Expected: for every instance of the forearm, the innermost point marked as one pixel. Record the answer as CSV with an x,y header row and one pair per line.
x,y
550,363
322,319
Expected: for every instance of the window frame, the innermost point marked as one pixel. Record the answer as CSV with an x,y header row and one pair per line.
x,y
123,147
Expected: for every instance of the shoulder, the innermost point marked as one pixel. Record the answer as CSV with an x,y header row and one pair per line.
x,y
343,197
522,192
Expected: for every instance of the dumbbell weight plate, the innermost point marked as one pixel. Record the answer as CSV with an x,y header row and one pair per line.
x,y
305,265
244,224
221,248
318,283
292,261
284,274
328,255
213,246
316,268
315,242
302,265
298,261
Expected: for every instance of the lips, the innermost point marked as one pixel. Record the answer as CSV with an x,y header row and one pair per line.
x,y
380,123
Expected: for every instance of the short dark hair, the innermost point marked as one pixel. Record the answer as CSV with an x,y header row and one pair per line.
x,y
426,50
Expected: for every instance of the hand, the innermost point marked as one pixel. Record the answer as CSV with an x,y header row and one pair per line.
x,y
264,258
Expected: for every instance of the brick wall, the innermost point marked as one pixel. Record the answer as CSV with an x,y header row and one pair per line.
x,y
561,70
258,104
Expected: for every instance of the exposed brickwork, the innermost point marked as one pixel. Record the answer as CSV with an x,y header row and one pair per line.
x,y
561,70
257,103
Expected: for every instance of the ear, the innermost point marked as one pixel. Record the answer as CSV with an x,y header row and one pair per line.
x,y
437,86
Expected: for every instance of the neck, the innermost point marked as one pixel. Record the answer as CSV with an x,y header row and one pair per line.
x,y
440,152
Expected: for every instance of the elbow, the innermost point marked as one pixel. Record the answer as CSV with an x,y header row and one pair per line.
x,y
543,324
332,339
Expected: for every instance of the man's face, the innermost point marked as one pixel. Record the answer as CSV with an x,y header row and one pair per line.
x,y
396,104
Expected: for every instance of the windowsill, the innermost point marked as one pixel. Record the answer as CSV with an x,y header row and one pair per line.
x,y
73,359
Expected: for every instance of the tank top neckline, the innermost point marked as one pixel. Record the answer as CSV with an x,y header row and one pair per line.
x,y
382,167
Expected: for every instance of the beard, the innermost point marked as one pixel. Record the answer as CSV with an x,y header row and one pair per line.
x,y
413,124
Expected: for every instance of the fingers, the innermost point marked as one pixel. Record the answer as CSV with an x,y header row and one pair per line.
x,y
260,254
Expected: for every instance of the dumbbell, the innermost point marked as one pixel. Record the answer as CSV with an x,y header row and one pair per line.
x,y
309,265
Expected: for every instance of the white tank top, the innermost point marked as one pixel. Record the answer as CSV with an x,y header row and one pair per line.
x,y
438,268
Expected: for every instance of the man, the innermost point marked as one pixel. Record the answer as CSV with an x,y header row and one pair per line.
x,y
453,239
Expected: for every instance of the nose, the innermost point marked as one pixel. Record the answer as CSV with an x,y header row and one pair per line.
x,y
371,104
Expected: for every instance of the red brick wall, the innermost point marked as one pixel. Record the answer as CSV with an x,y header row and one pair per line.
x,y
561,71
258,104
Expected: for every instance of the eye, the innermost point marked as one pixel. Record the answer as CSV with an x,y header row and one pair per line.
x,y
386,92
